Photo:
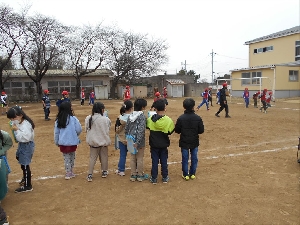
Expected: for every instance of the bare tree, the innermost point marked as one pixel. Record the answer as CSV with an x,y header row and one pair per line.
x,y
9,32
42,43
86,51
133,55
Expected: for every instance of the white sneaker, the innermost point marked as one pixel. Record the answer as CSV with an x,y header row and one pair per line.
x,y
120,173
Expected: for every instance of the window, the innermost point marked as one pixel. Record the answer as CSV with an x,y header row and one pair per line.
x,y
246,81
52,83
297,51
16,84
29,88
264,49
256,80
253,78
293,75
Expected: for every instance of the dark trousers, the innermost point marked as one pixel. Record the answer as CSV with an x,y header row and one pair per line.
x,y
223,106
26,175
255,102
159,154
82,101
47,112
210,100
264,105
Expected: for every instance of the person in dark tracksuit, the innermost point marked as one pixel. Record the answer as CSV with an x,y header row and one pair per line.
x,y
255,96
46,105
160,126
189,125
223,101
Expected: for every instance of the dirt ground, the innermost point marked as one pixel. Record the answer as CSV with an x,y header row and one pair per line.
x,y
247,173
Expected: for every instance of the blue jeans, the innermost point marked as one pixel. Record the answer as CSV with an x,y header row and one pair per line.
x,y
247,102
123,154
47,112
204,101
185,161
159,154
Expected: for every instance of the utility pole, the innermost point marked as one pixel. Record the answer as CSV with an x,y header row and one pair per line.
x,y
184,66
212,66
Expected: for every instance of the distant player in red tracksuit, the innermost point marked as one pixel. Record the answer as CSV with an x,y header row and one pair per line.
x,y
205,99
165,93
246,96
268,100
82,96
263,98
92,98
127,93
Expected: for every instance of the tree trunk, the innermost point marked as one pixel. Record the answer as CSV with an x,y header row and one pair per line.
x,y
78,85
38,90
112,88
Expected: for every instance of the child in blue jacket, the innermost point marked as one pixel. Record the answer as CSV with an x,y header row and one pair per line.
x,y
66,131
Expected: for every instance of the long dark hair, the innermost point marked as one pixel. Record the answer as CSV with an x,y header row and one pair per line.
x,y
97,108
15,111
127,105
1,138
64,112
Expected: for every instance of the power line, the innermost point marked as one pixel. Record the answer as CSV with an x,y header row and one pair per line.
x,y
230,57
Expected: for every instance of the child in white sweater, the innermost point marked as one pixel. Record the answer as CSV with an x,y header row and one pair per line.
x,y
97,127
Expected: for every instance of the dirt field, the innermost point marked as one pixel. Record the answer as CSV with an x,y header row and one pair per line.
x,y
247,173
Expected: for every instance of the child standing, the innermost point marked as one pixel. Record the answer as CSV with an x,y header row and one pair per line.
x,y
92,97
135,127
67,128
97,127
246,96
4,103
127,93
46,104
125,111
205,99
189,125
160,126
23,128
82,97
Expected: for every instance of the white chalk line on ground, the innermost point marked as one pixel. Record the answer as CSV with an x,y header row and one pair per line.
x,y
179,162
249,145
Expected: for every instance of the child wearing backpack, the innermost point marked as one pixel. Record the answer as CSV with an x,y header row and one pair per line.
x,y
125,112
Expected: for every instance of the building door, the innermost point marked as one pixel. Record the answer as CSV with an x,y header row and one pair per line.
x,y
101,92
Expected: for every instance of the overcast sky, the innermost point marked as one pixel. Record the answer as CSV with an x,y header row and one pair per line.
x,y
192,28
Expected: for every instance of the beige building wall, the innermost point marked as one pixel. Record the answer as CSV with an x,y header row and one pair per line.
x,y
236,84
282,78
283,51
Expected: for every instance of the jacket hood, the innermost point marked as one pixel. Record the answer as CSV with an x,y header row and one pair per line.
x,y
123,118
158,122
134,115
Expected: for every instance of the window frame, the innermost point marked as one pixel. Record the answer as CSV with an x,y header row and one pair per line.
x,y
296,75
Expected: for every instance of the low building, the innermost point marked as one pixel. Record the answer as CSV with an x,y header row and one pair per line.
x,y
274,63
20,87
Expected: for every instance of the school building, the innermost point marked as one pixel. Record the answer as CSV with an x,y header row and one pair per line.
x,y
274,63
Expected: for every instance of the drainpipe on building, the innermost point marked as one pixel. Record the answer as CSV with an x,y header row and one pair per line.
x,y
274,82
